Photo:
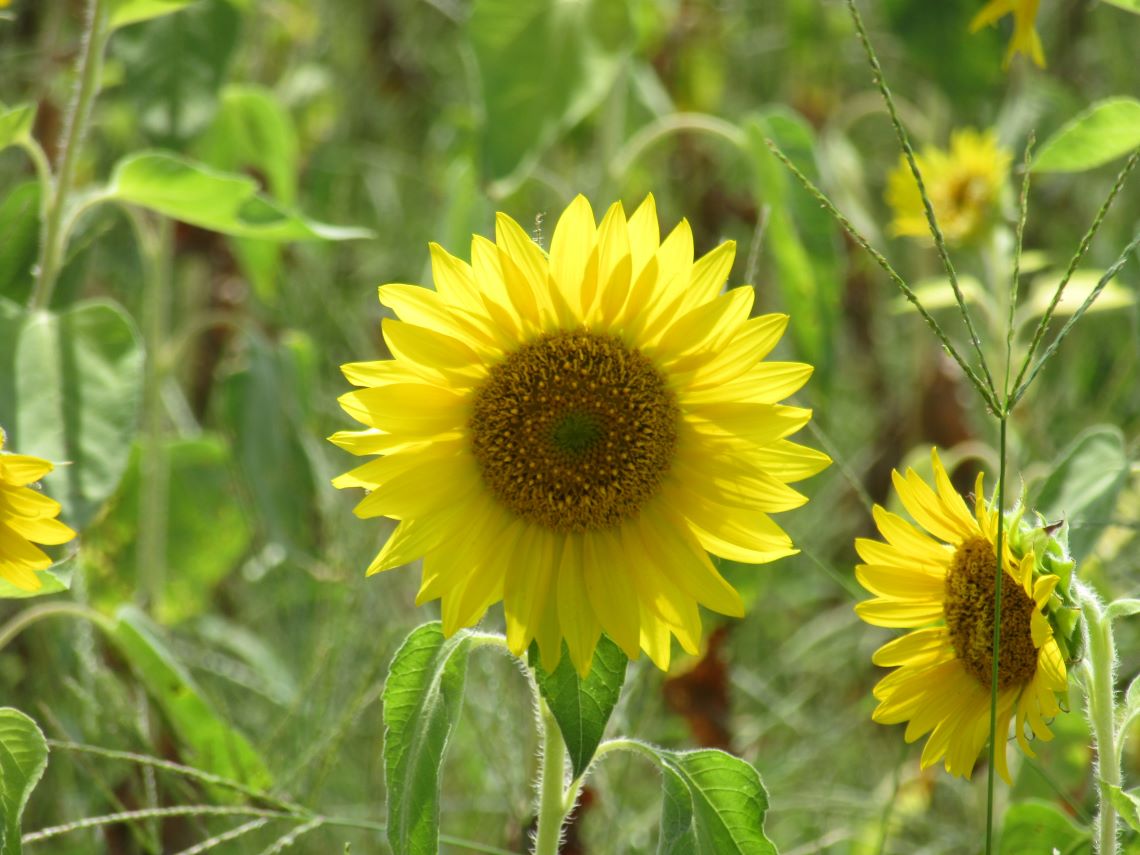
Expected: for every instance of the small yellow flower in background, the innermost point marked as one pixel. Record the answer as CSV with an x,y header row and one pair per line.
x,y
569,433
27,517
1025,38
964,185
944,587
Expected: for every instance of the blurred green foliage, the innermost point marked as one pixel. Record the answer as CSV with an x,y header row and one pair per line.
x,y
415,120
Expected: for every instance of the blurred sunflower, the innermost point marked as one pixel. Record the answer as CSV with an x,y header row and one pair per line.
x,y
945,586
1025,38
964,185
569,433
27,517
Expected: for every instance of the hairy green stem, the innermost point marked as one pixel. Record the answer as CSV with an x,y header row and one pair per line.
x,y
1100,671
999,573
552,809
53,238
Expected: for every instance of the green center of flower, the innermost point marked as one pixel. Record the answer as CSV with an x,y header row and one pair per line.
x,y
574,431
969,611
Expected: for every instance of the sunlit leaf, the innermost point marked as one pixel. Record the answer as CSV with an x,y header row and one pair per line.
x,y
76,394
1132,6
16,123
206,740
422,698
124,12
23,758
713,804
582,706
54,580
1103,132
1114,295
218,201
1036,826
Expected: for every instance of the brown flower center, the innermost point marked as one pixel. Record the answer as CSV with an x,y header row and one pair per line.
x,y
574,431
969,611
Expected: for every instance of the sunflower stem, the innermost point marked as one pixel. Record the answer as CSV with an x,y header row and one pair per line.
x,y
552,808
1100,665
998,574
53,238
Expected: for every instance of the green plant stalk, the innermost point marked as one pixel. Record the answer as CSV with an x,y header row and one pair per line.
x,y
999,572
54,236
552,810
1100,667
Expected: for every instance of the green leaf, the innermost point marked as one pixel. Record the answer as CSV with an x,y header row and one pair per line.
x,y
800,236
582,706
16,123
1122,608
207,741
1127,804
422,698
219,201
20,226
713,804
1132,6
174,65
1103,132
124,12
1037,826
74,386
544,66
23,758
1081,284
262,408
1082,490
207,530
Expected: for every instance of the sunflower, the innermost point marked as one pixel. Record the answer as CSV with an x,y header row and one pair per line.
x,y
27,517
963,184
944,585
569,433
1025,38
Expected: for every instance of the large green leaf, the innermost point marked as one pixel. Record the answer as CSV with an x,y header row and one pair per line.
x,y
207,531
74,388
714,804
1103,132
1037,826
582,706
544,65
422,698
20,226
174,65
1132,6
219,201
206,739
1085,482
23,758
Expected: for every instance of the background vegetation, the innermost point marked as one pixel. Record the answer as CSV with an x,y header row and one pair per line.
x,y
245,640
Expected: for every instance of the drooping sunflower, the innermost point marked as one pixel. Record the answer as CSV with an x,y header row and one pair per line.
x,y
964,185
1025,38
942,584
570,432
27,517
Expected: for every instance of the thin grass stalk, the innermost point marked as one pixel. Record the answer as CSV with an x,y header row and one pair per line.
x,y
1015,280
849,227
999,572
1078,256
928,208
1108,276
